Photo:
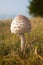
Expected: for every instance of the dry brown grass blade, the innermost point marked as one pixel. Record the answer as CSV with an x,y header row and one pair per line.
x,y
41,58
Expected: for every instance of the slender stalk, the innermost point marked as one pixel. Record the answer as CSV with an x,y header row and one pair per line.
x,y
22,36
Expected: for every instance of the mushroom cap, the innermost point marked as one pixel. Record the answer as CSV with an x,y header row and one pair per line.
x,y
20,25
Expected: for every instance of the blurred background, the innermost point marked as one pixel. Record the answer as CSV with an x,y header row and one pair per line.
x,y
12,8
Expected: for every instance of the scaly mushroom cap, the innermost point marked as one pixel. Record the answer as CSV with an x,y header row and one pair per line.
x,y
20,24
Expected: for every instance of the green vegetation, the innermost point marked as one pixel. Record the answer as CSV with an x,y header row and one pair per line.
x,y
36,7
10,53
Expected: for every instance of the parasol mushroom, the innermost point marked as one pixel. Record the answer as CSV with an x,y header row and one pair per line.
x,y
21,25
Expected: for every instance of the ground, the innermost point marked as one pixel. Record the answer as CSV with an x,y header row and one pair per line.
x,y
10,53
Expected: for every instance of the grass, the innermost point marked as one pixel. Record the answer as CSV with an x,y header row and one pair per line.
x,y
10,53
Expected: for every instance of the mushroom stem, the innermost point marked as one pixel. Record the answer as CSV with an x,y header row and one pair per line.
x,y
22,36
